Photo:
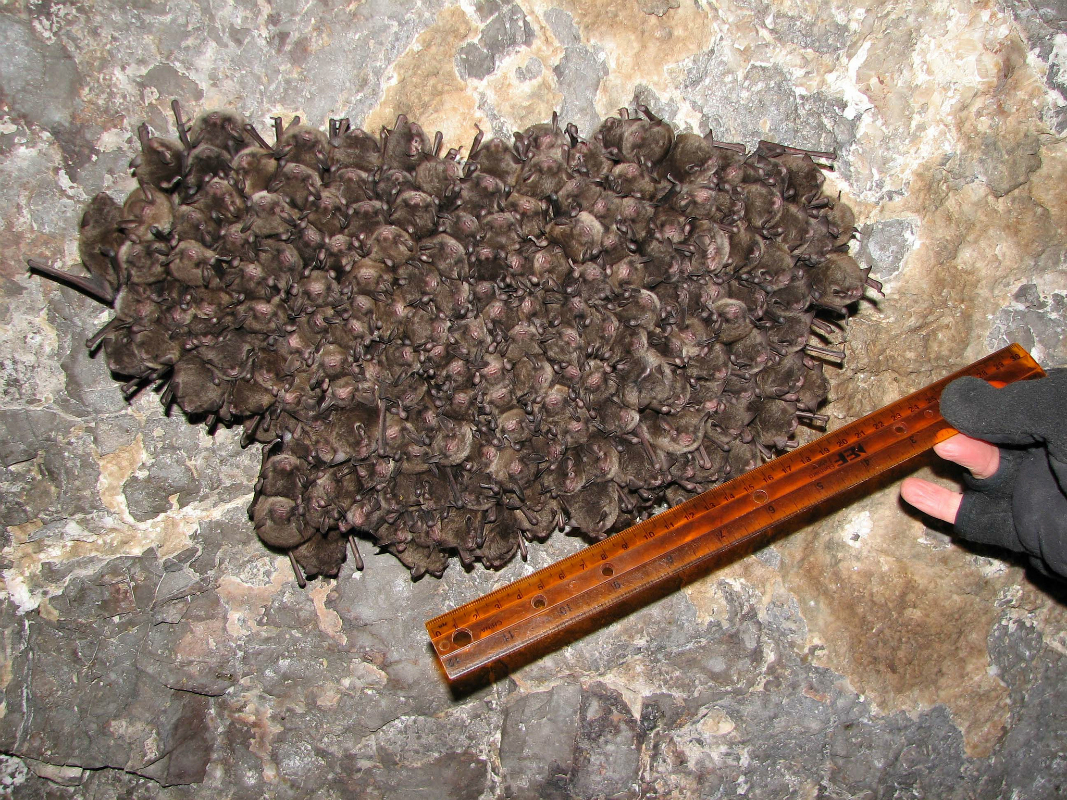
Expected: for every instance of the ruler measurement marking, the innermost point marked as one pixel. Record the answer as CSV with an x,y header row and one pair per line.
x,y
571,589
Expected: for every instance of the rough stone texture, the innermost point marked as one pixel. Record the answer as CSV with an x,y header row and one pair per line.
x,y
149,647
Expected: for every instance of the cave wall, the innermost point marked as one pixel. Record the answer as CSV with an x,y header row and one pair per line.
x,y
149,646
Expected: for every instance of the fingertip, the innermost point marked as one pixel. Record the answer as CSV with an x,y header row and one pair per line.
x,y
981,458
948,448
913,492
964,398
931,499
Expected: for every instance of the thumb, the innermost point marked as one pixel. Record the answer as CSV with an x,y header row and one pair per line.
x,y
977,409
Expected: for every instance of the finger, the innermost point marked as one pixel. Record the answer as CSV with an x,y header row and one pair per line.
x,y
981,458
937,501
1004,416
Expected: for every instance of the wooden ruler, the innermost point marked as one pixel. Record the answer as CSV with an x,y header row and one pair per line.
x,y
538,613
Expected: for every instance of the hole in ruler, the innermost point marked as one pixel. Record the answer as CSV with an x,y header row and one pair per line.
x,y
928,413
900,428
539,601
759,496
607,571
462,638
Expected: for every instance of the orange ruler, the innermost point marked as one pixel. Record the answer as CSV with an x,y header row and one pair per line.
x,y
536,614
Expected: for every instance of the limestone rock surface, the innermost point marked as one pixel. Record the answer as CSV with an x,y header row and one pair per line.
x,y
145,651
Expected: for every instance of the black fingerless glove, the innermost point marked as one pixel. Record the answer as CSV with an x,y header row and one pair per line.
x,y
1023,507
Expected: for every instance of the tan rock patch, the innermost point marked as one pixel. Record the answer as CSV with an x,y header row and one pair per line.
x,y
423,84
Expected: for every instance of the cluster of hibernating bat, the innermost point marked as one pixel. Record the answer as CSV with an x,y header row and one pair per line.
x,y
456,357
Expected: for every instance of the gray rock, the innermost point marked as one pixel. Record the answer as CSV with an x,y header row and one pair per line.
x,y
659,7
487,8
299,764
1029,296
187,743
26,432
111,433
736,107
609,746
538,741
1036,321
1043,21
41,79
62,477
454,776
13,774
506,31
84,671
88,387
530,70
884,246
149,496
1004,165
472,61
175,653
166,80
563,28
579,74
822,31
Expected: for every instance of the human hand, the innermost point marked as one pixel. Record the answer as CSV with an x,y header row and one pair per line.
x,y
1016,494
981,458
